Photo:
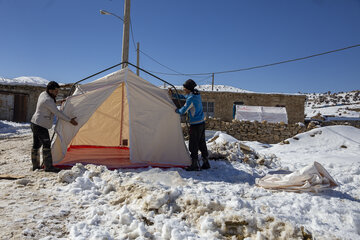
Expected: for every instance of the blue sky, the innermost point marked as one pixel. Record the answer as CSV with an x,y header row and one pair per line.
x,y
68,40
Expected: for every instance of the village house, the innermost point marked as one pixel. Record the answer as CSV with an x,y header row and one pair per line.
x,y
220,105
18,102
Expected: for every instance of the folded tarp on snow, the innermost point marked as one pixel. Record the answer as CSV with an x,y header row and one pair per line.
x,y
312,178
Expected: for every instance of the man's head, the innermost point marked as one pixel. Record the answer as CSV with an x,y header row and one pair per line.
x,y
189,85
53,88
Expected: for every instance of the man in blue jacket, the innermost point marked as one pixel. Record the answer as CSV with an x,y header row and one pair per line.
x,y
193,107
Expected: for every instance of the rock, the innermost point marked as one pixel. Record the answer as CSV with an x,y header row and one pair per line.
x,y
23,181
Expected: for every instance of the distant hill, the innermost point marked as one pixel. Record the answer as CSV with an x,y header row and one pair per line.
x,y
32,81
26,80
342,104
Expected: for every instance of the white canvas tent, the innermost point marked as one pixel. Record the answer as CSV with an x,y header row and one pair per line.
x,y
261,113
124,121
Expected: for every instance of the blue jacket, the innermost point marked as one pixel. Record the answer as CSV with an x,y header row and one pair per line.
x,y
193,105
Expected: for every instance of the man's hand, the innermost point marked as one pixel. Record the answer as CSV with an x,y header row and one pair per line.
x,y
170,92
73,121
60,102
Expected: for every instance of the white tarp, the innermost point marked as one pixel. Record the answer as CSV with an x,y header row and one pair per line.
x,y
312,178
260,113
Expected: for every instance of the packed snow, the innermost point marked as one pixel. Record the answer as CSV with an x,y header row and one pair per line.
x,y
224,202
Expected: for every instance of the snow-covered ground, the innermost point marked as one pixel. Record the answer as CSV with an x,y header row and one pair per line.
x,y
91,202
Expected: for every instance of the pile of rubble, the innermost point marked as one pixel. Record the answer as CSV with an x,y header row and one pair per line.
x,y
231,149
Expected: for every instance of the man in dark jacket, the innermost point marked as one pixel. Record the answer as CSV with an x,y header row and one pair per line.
x,y
193,107
41,121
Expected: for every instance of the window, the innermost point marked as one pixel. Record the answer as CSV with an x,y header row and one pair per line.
x,y
208,108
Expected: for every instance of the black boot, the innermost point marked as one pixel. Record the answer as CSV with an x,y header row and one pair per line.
x,y
206,164
194,166
35,159
47,159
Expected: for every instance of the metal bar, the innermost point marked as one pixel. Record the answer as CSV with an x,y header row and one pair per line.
x,y
72,87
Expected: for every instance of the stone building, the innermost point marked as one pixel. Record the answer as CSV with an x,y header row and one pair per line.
x,y
220,104
18,102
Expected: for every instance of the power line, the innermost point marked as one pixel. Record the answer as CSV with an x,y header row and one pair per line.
x,y
265,65
236,70
178,73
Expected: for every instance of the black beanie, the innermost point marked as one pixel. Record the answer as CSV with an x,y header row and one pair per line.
x,y
52,85
190,84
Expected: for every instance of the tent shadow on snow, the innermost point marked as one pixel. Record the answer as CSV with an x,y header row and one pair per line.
x,y
221,171
340,195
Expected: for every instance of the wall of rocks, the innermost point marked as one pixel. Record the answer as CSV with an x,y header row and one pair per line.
x,y
264,132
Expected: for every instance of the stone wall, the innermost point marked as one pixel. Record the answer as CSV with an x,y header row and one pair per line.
x,y
265,132
255,131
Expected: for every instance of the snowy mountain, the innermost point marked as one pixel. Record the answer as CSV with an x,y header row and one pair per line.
x,y
25,80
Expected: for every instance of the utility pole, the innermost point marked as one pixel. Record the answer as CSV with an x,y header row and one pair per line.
x,y
212,83
138,58
126,36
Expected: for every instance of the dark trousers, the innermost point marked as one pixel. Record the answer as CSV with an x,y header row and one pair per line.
x,y
197,141
41,137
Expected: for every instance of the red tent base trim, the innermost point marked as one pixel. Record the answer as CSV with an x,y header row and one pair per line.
x,y
127,167
111,157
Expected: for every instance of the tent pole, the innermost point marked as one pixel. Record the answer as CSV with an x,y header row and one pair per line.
x,y
116,65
